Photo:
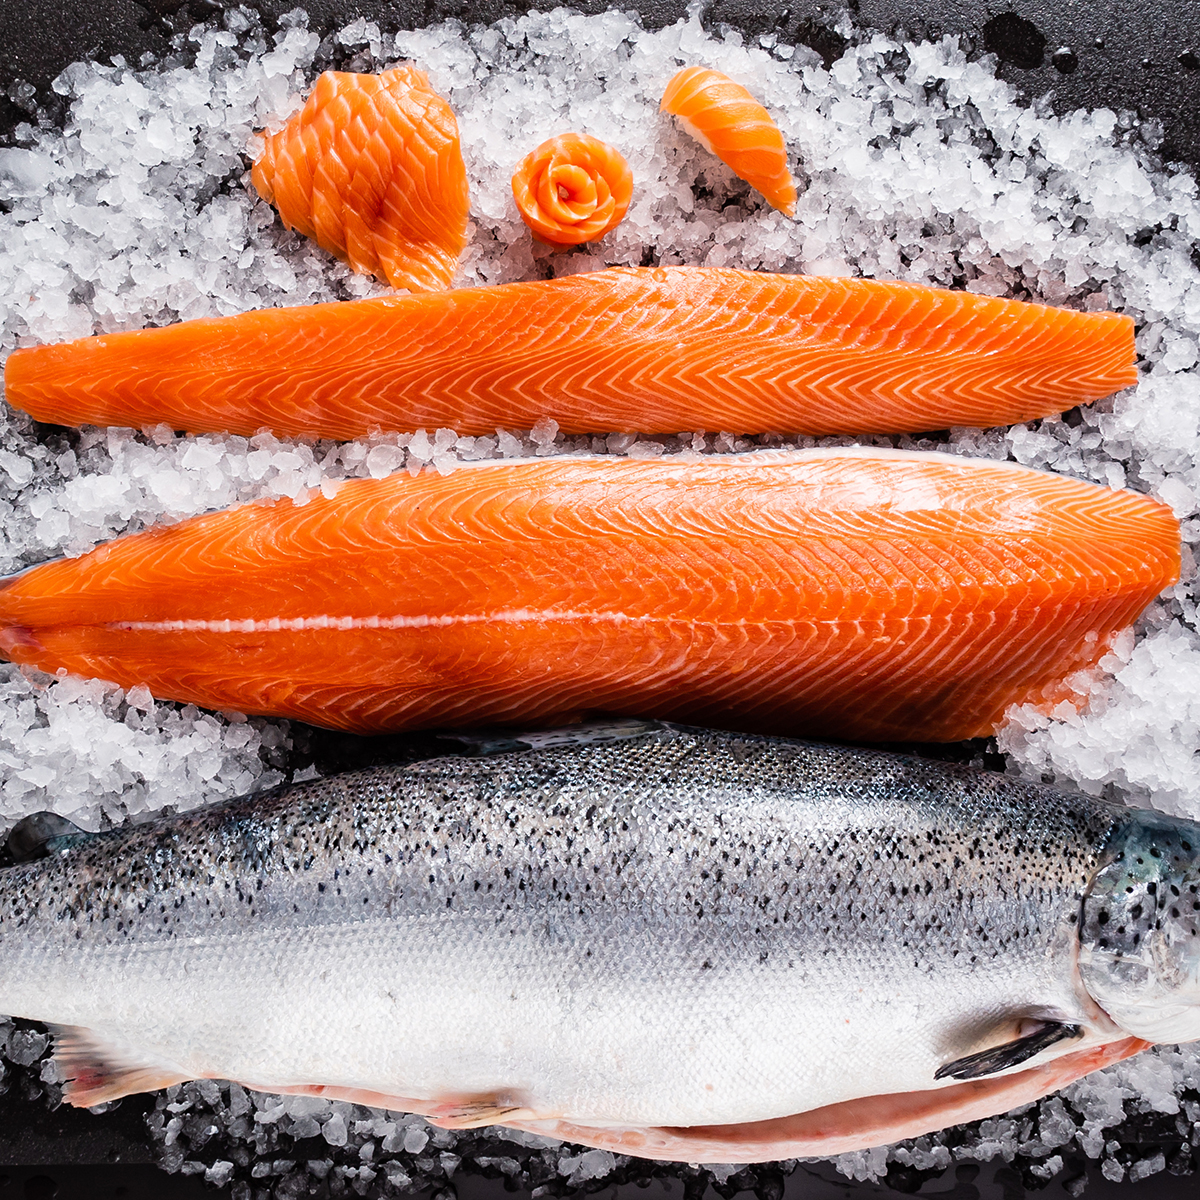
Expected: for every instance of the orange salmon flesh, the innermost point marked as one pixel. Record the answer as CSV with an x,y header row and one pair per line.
x,y
656,350
370,169
572,189
728,122
857,594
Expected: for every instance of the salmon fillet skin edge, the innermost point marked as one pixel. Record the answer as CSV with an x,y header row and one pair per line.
x,y
653,350
876,595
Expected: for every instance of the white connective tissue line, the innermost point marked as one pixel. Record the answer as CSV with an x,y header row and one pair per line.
x,y
919,165
514,616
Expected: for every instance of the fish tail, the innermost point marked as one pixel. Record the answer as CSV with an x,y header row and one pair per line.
x,y
97,1069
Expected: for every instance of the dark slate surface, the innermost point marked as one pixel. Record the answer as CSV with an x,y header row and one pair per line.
x,y
1116,54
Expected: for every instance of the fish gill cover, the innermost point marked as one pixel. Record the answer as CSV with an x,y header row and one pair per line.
x,y
914,162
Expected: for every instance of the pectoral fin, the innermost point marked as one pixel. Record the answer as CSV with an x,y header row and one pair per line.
x,y
1010,1054
97,1070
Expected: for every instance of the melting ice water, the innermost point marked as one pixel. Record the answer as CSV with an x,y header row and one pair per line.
x,y
914,163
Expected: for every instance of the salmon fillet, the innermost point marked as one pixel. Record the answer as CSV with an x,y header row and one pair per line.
x,y
858,594
656,350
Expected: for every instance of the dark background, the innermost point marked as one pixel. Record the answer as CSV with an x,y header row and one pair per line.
x,y
1110,53
1113,53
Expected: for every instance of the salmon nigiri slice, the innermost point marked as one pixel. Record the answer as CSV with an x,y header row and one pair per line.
x,y
370,169
728,122
651,349
856,593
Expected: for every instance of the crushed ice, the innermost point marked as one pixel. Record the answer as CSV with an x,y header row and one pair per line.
x,y
915,163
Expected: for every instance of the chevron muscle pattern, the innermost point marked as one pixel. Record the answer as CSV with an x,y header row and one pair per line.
x,y
657,350
853,593
370,169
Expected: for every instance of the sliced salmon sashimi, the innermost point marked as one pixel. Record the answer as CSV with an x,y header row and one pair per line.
x,y
857,594
658,350
728,122
370,169
572,189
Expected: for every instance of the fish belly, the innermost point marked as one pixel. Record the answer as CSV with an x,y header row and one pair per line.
x,y
852,594
442,1015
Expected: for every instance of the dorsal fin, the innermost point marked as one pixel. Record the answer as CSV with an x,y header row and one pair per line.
x,y
32,836
481,743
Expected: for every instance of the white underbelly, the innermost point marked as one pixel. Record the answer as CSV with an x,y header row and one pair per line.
x,y
439,1010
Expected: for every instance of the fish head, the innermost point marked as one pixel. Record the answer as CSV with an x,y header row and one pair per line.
x,y
1139,933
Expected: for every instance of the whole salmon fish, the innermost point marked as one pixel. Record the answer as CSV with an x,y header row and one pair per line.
x,y
662,940
861,594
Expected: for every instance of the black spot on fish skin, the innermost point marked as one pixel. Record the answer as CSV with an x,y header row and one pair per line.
x,y
582,859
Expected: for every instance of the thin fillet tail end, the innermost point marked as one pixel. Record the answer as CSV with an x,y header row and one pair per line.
x,y
17,643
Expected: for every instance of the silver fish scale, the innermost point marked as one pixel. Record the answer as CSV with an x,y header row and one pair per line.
x,y
678,824
656,928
